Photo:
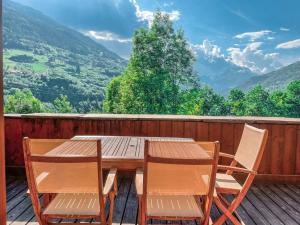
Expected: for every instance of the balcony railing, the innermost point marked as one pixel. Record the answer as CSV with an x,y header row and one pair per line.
x,y
278,163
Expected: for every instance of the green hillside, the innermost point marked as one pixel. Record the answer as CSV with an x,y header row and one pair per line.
x,y
275,80
51,59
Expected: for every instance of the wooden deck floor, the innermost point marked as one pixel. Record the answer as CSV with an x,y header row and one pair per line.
x,y
267,204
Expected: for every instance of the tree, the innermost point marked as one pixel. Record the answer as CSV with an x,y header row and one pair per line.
x,y
23,101
293,99
112,97
203,101
278,99
160,67
236,102
62,105
258,103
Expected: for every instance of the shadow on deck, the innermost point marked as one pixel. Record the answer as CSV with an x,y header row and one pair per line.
x,y
264,204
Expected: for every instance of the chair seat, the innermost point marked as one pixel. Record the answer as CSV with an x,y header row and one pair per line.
x,y
227,184
173,206
73,205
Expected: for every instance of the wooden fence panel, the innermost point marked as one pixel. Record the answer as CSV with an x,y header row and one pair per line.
x,y
280,162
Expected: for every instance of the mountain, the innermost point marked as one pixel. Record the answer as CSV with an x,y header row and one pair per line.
x,y
275,80
220,74
51,59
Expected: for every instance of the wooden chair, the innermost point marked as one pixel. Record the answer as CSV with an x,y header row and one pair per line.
x,y
176,189
74,182
245,161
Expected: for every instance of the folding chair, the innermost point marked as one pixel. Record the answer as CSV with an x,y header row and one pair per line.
x,y
176,188
75,183
246,161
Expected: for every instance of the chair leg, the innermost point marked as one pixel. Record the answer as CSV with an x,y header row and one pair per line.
x,y
103,217
227,213
142,213
46,200
139,211
43,220
111,207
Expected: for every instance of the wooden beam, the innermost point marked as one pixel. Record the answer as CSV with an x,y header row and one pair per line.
x,y
2,151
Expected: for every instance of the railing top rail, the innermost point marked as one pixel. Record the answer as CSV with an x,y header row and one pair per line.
x,y
225,119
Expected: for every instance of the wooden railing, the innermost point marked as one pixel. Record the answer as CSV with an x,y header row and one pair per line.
x,y
281,160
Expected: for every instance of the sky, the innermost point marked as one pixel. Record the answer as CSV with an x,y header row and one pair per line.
x,y
261,35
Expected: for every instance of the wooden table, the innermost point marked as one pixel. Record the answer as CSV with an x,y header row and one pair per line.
x,y
173,151
121,152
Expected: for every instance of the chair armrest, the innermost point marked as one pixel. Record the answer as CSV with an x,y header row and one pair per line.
x,y
110,182
139,181
222,154
236,169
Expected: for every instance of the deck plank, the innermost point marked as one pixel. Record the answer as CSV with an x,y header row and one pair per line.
x,y
13,184
264,204
270,199
24,217
242,213
287,199
18,210
265,211
254,213
295,190
285,208
120,201
131,208
16,190
16,200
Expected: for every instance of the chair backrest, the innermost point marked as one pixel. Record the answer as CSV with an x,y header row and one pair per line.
x,y
251,147
42,146
186,173
61,174
67,174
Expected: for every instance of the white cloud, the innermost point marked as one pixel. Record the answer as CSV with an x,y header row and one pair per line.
x,y
284,29
147,15
289,44
253,58
253,36
208,49
254,46
107,36
250,56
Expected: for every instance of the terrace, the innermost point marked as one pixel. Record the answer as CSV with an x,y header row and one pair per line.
x,y
274,199
68,67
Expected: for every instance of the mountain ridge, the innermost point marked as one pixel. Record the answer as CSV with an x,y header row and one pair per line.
x,y
220,74
51,59
274,80
37,20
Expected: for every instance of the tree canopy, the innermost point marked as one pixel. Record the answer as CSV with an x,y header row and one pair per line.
x,y
160,67
62,105
23,102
